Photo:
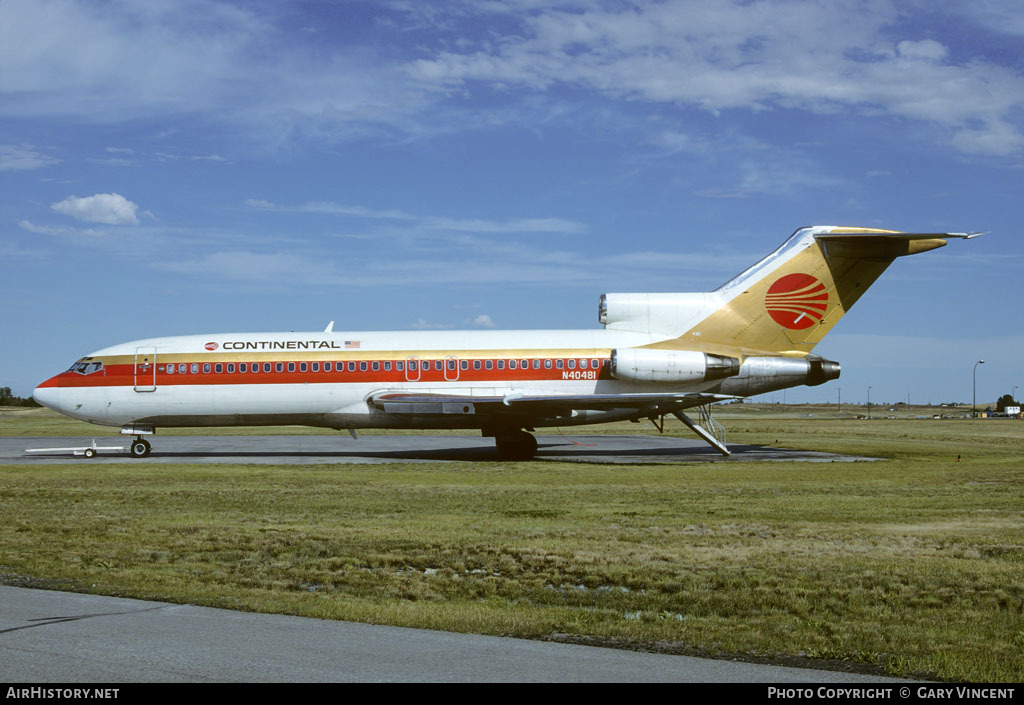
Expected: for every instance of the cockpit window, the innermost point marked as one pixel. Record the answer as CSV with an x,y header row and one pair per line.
x,y
86,368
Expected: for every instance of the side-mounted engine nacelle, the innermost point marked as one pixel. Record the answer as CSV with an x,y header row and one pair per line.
x,y
647,365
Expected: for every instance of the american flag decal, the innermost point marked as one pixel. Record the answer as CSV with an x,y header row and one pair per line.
x,y
796,301
351,343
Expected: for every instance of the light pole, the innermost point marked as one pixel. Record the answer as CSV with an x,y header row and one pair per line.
x,y
974,392
869,401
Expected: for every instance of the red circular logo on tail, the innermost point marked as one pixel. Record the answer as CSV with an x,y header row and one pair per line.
x,y
796,301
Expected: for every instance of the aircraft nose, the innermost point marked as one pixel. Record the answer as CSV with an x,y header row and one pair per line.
x,y
48,394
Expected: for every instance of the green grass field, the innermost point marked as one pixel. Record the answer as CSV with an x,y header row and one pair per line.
x,y
911,566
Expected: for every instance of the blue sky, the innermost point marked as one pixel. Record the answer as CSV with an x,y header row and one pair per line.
x,y
177,167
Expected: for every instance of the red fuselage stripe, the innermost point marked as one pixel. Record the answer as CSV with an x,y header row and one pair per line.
x,y
128,375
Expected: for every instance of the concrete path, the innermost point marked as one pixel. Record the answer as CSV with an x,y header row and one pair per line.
x,y
49,637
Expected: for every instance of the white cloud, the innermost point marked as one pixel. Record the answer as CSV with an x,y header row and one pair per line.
x,y
56,230
231,62
422,324
239,65
484,321
282,268
429,222
109,208
820,57
22,158
928,49
44,229
995,138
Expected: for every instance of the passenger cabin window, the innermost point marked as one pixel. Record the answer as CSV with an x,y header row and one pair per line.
x,y
362,366
243,367
218,368
327,367
231,367
303,367
376,366
195,368
266,367
291,366
476,364
536,364
170,369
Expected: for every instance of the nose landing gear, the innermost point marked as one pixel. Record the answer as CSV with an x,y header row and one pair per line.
x,y
139,447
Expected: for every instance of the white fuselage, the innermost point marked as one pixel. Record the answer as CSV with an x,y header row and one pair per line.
x,y
326,379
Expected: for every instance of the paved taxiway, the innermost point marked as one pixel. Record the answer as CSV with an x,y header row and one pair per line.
x,y
314,450
49,637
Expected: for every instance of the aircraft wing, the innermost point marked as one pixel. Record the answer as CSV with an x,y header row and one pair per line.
x,y
541,405
529,409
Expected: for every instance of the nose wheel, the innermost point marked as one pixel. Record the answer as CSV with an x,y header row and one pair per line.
x,y
139,448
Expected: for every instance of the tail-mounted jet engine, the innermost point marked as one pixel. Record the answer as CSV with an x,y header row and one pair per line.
x,y
647,365
767,374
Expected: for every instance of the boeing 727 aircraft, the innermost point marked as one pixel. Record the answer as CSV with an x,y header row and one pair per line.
x,y
658,354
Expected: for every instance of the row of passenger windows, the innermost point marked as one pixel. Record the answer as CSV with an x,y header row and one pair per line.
x,y
386,365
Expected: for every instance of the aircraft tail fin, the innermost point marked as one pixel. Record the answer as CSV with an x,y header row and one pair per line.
x,y
788,301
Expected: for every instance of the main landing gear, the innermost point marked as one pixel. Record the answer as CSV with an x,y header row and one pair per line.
x,y
515,445
139,448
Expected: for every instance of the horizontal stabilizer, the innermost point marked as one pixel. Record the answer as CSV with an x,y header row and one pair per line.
x,y
883,243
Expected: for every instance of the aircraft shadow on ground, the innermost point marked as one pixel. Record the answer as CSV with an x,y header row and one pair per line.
x,y
545,451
